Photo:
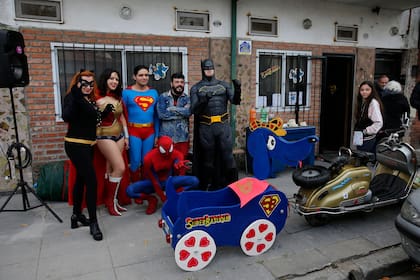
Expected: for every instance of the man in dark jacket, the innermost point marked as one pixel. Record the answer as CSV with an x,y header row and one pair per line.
x,y
396,107
380,84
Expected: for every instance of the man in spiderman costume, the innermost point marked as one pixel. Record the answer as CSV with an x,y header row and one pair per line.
x,y
160,163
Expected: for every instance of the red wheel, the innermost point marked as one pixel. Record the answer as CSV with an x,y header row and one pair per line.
x,y
195,250
258,237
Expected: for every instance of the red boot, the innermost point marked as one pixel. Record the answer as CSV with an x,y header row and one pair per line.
x,y
111,190
152,200
119,207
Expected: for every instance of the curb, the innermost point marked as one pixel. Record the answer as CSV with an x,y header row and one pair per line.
x,y
388,261
384,262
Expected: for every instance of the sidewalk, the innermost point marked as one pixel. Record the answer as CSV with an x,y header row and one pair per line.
x,y
35,246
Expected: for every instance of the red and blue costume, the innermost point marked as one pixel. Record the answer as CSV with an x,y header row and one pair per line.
x,y
159,164
142,123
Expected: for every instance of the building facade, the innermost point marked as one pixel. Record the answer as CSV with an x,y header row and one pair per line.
x,y
299,59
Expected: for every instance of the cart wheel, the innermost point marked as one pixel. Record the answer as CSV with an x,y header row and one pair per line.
x,y
258,237
195,250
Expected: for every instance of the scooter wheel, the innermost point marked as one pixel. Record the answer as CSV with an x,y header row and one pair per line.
x,y
311,176
356,275
317,220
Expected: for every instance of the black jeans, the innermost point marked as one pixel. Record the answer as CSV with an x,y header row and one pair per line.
x,y
368,146
81,155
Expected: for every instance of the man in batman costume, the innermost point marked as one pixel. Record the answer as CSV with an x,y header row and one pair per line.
x,y
213,161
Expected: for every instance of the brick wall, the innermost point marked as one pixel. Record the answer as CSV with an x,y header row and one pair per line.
x,y
415,133
415,127
47,134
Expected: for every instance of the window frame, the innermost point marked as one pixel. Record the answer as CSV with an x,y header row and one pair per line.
x,y
284,78
274,24
58,4
194,14
353,28
57,46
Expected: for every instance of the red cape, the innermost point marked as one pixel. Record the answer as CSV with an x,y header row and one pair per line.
x,y
100,166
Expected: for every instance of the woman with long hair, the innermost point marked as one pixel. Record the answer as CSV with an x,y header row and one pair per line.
x,y
112,136
81,114
368,115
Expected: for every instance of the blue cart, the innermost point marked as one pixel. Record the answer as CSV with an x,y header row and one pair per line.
x,y
248,213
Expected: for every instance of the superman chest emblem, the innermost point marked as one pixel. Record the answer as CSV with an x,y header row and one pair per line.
x,y
144,102
269,203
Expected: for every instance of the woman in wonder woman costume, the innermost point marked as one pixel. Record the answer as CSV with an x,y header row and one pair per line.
x,y
112,138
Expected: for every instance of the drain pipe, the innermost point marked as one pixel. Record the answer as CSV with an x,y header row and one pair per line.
x,y
233,65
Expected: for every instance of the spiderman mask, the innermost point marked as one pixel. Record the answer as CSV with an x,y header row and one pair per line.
x,y
165,146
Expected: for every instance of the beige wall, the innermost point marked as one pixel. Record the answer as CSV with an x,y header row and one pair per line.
x,y
8,136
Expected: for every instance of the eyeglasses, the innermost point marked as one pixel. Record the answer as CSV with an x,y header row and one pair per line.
x,y
84,83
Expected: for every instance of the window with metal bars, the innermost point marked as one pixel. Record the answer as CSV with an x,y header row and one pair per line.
x,y
283,79
71,58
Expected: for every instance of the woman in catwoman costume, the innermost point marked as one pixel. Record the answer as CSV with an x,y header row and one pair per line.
x,y
81,114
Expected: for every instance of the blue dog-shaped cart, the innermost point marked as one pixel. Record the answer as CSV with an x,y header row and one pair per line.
x,y
266,145
248,213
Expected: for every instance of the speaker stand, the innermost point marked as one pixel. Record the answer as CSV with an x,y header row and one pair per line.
x,y
21,184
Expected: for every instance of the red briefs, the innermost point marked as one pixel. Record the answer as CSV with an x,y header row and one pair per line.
x,y
141,132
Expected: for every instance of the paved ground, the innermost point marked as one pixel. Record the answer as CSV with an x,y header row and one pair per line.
x,y
35,246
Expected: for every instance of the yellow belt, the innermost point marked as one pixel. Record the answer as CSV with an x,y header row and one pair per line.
x,y
140,124
80,141
213,119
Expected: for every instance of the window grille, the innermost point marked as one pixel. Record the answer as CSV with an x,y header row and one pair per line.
x,y
283,79
284,84
70,58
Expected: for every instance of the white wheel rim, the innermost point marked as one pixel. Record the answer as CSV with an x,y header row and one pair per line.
x,y
258,237
195,250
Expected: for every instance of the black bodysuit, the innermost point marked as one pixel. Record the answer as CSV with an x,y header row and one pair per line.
x,y
81,116
215,166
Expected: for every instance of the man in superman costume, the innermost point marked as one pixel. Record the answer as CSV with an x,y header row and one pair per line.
x,y
160,163
142,119
213,161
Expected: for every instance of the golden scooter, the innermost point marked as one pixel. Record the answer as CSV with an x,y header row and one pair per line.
x,y
349,185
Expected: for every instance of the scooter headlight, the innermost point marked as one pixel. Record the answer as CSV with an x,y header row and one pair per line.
x,y
410,213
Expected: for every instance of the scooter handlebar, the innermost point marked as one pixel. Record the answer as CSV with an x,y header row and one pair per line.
x,y
344,151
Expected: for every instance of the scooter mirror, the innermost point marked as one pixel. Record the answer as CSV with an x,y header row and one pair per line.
x,y
344,151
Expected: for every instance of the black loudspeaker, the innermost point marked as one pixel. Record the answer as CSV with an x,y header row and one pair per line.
x,y
13,61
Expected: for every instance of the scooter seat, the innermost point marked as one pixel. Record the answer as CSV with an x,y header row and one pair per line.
x,y
398,156
364,156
